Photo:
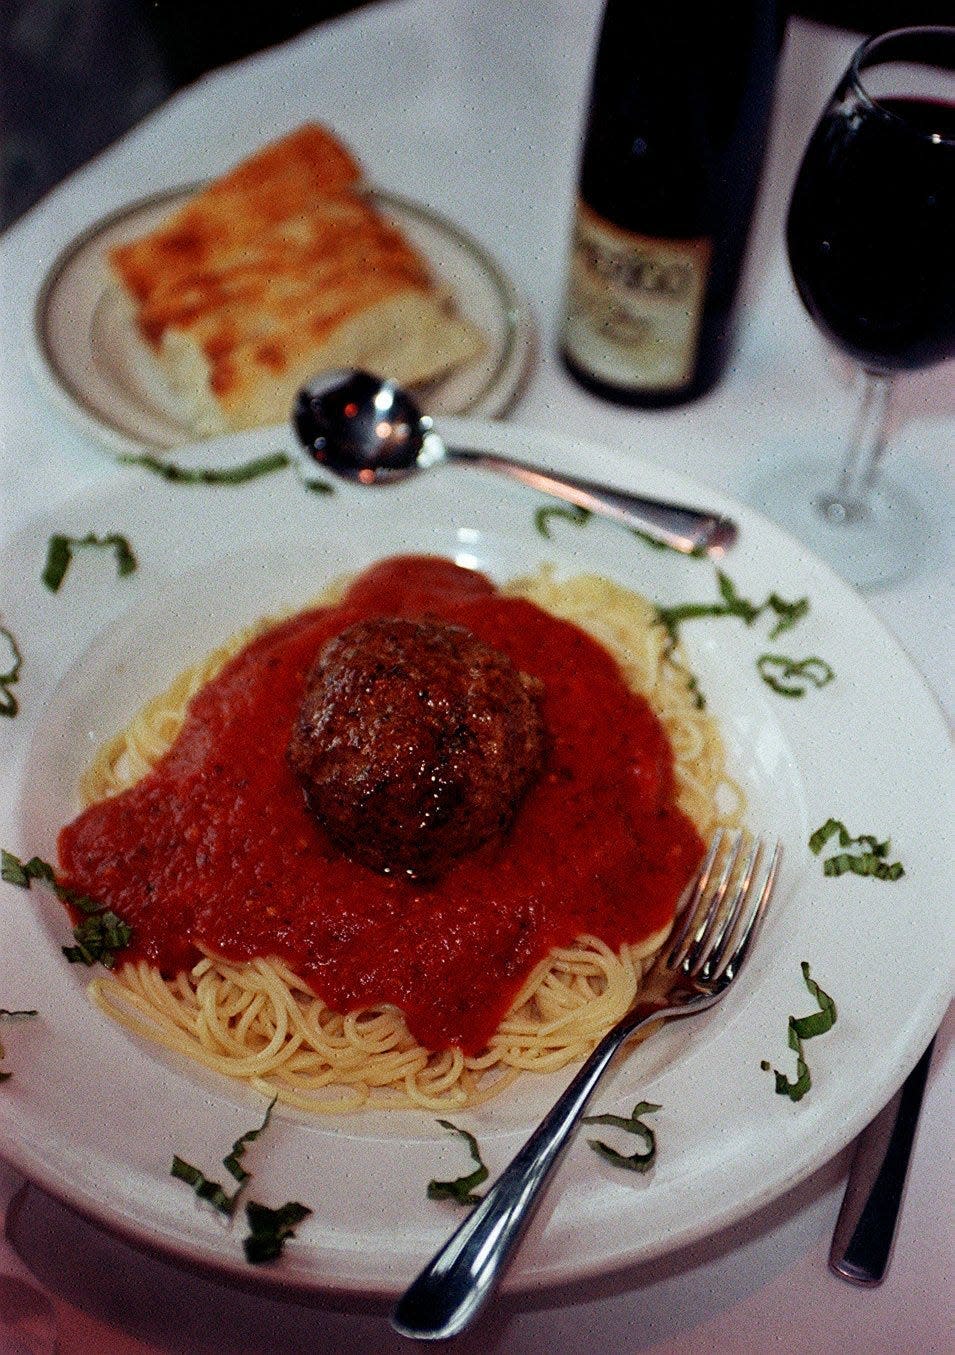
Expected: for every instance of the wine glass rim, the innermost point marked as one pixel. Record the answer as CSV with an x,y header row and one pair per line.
x,y
865,51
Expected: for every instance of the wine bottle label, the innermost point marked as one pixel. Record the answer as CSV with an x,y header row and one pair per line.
x,y
634,304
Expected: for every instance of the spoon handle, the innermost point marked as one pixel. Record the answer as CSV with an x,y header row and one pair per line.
x,y
688,530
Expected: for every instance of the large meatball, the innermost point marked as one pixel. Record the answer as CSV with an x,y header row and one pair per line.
x,y
415,743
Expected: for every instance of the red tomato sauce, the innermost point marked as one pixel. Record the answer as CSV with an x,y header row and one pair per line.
x,y
215,846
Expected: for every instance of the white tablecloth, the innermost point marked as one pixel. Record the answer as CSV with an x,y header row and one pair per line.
x,y
487,135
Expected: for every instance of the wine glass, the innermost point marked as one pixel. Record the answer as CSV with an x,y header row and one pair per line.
x,y
871,240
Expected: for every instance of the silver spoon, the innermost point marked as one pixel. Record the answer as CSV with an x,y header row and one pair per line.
x,y
369,429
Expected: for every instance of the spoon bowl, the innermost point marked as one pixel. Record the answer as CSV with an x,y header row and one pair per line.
x,y
360,426
368,429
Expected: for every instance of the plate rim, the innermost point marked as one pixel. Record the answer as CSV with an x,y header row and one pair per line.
x,y
499,393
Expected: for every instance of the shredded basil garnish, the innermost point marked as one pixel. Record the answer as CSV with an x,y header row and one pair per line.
x,y
579,516
8,702
231,1160
204,1187
732,604
461,1189
60,554
804,1028
99,937
15,872
316,486
222,475
792,677
269,1229
212,1191
864,863
209,475
571,512
637,1161
870,861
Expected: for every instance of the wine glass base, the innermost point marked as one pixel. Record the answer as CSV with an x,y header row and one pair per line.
x,y
887,542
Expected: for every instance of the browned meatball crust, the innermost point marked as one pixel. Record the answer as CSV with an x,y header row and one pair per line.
x,y
415,742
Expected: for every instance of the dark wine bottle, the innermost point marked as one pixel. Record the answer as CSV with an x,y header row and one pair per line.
x,y
673,145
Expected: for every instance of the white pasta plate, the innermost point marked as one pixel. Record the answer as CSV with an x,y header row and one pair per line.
x,y
95,1116
91,359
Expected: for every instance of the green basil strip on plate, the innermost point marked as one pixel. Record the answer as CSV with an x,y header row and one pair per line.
x,y
231,1160
461,1188
869,861
637,1161
209,475
204,1187
792,677
269,1229
804,1028
60,550
22,873
733,604
569,512
210,1190
99,937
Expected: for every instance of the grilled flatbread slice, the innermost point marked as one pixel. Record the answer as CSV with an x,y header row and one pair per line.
x,y
281,269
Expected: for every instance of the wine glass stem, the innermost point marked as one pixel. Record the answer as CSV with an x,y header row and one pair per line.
x,y
851,500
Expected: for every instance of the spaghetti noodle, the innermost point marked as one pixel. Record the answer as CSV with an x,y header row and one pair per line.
x,y
260,1021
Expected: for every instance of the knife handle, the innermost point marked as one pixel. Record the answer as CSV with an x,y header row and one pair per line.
x,y
865,1229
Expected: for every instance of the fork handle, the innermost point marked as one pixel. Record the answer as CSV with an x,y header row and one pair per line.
x,y
456,1283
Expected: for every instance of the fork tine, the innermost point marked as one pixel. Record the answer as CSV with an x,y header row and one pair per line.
x,y
752,925
708,963
689,901
695,952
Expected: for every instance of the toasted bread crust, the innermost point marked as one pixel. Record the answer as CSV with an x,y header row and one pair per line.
x,y
280,269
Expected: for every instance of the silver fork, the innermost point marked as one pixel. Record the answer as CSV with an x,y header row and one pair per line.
x,y
716,923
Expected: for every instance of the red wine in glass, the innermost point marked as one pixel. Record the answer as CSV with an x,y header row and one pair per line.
x,y
871,241
871,231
